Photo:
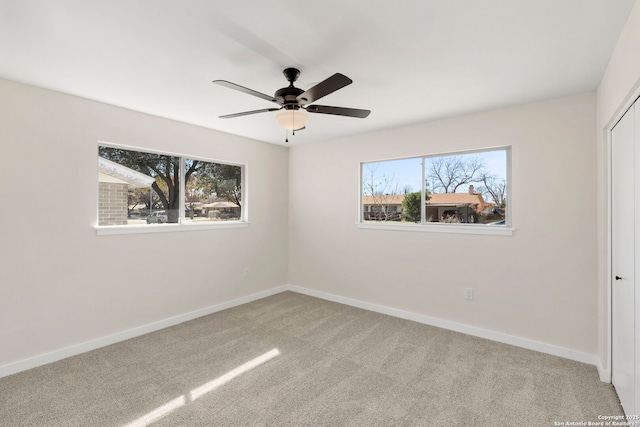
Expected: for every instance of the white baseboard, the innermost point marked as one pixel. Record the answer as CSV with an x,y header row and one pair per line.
x,y
604,374
43,359
551,349
73,350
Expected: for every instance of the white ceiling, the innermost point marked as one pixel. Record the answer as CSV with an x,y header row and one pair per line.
x,y
410,60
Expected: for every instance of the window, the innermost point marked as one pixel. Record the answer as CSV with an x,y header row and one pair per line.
x,y
138,188
468,189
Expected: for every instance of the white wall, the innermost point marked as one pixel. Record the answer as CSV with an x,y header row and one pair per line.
x,y
539,284
60,283
619,85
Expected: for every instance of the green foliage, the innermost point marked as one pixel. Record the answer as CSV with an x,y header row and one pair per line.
x,y
411,206
223,180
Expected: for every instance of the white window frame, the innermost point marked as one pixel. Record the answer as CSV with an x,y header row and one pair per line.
x,y
423,226
181,225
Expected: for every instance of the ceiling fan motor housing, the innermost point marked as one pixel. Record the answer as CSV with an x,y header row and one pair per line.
x,y
288,95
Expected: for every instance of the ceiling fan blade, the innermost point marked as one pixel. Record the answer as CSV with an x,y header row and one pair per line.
x,y
246,90
338,111
246,113
324,88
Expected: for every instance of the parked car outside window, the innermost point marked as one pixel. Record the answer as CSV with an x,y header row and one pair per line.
x,y
157,217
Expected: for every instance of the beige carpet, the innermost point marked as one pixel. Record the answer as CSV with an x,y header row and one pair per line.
x,y
294,360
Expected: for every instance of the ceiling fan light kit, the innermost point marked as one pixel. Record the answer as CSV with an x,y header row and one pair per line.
x,y
292,119
292,114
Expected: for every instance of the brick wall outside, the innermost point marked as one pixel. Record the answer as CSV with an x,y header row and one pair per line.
x,y
112,203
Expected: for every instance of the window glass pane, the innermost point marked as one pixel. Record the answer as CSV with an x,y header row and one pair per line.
x,y
213,191
467,188
136,188
384,187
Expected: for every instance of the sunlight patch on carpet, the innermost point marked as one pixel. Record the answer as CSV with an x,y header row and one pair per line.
x,y
158,413
198,392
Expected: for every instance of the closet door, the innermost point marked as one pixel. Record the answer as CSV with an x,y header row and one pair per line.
x,y
623,200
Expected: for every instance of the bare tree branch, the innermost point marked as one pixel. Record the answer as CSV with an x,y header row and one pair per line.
x,y
495,188
448,174
382,189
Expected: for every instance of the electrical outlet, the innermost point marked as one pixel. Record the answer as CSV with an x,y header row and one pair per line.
x,y
245,272
468,293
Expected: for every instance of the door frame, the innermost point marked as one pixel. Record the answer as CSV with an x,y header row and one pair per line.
x,y
606,372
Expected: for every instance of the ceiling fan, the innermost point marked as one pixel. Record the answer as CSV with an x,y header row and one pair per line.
x,y
294,102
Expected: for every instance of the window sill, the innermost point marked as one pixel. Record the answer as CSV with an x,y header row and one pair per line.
x,y
165,228
440,228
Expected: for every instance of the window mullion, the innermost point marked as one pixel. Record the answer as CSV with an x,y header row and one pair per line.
x,y
182,187
423,194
